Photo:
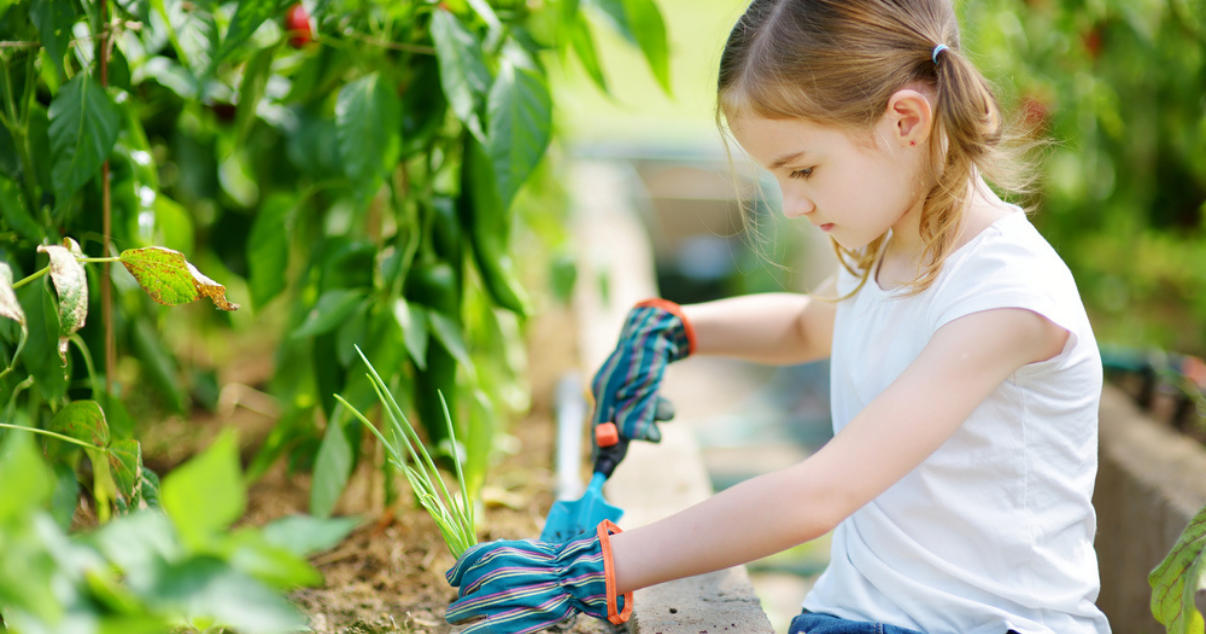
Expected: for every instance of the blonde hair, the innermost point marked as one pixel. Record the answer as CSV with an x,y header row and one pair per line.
x,y
838,62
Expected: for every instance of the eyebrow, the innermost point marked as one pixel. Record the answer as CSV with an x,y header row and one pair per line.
x,y
787,158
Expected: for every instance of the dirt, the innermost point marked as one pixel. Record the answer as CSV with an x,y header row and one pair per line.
x,y
387,576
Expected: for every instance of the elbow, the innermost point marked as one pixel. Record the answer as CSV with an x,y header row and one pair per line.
x,y
823,504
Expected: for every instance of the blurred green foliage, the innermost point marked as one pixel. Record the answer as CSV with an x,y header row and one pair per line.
x,y
1120,85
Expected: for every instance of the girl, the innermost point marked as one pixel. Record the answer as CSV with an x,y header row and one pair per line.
x,y
965,376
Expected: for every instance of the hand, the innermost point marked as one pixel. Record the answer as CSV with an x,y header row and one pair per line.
x,y
625,388
517,587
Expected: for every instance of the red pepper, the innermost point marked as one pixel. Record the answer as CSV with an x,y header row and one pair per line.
x,y
297,23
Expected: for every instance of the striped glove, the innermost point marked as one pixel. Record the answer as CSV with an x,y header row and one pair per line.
x,y
517,587
625,388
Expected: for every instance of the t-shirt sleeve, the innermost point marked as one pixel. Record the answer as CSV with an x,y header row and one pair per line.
x,y
1009,274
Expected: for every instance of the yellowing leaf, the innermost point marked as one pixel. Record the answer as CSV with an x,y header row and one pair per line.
x,y
9,306
1177,580
71,283
170,279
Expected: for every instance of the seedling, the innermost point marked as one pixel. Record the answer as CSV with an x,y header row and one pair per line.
x,y
455,519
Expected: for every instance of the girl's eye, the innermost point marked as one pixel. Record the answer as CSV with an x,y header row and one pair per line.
x,y
800,173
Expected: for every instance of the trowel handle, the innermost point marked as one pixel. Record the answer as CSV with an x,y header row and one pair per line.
x,y
612,448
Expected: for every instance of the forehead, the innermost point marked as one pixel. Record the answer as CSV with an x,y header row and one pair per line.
x,y
767,140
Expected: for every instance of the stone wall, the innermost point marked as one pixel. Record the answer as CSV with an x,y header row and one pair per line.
x,y
1151,482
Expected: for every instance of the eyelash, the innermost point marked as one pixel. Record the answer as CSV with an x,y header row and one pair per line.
x,y
801,173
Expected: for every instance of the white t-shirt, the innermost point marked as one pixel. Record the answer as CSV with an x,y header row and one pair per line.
x,y
994,531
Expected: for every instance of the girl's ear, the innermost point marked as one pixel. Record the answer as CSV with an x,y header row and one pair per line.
x,y
911,116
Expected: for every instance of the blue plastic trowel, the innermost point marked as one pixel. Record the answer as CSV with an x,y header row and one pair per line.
x,y
570,518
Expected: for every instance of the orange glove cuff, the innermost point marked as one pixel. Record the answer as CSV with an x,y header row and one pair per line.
x,y
605,530
677,310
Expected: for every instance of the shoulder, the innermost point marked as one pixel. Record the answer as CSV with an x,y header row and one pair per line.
x,y
1008,265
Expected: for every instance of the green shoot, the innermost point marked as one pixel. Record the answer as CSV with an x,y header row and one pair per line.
x,y
455,519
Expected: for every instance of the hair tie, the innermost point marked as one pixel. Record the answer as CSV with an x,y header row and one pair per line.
x,y
938,49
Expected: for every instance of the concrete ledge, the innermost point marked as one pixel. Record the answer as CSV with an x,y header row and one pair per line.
x,y
654,481
1151,482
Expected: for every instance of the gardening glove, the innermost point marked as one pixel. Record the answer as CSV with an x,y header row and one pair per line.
x,y
625,388
517,587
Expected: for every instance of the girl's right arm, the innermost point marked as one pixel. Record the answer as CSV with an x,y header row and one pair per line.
x,y
772,328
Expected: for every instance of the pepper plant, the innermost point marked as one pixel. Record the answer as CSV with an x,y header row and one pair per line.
x,y
412,129
360,164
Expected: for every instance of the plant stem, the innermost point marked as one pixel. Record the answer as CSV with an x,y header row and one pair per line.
x,y
83,348
19,126
35,430
32,277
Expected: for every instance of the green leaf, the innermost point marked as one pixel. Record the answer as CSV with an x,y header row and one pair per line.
x,y
84,123
584,45
28,482
255,80
206,495
332,467
413,321
463,72
208,588
82,420
332,308
368,119
615,15
54,19
125,463
305,535
66,495
15,212
521,126
71,282
247,550
649,29
248,17
449,334
268,248
1178,578
169,279
138,544
41,349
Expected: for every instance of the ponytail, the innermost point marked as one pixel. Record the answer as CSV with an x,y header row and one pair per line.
x,y
838,62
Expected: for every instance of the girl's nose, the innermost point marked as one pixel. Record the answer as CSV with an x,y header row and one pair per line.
x,y
795,206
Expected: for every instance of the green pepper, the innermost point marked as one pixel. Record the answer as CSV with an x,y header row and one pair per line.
x,y
489,224
424,106
435,286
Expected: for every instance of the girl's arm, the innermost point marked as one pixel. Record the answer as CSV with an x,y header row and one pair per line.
x,y
773,328
963,362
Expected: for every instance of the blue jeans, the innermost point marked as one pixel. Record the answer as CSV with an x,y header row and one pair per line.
x,y
814,623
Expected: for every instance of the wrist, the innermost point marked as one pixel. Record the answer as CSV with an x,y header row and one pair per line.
x,y
676,310
615,615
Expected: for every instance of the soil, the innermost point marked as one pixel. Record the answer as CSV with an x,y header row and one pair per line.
x,y
387,576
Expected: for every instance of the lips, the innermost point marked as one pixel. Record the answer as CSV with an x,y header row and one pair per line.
x,y
826,227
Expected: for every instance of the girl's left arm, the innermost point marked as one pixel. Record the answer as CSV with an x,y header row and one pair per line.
x,y
962,364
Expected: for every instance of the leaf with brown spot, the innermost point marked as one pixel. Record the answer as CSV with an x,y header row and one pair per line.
x,y
125,463
71,283
82,420
170,279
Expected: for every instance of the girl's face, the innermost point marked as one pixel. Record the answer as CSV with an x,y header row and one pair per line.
x,y
852,189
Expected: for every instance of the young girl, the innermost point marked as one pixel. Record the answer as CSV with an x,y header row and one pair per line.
x,y
965,376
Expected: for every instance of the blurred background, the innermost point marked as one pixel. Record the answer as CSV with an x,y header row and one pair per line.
x,y
393,177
